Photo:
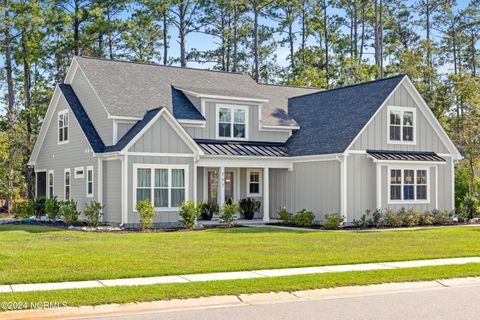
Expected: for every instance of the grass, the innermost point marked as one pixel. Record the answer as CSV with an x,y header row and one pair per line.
x,y
106,295
30,254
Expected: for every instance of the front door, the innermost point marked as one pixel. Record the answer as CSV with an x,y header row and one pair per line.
x,y
213,185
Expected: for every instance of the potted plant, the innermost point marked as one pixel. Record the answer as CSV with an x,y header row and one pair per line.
x,y
207,210
248,207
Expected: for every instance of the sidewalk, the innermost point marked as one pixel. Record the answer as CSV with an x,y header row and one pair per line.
x,y
233,275
144,308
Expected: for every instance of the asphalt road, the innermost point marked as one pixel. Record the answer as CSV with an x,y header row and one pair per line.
x,y
429,304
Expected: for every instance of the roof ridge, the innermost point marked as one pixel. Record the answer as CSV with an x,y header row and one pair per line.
x,y
161,65
352,85
290,86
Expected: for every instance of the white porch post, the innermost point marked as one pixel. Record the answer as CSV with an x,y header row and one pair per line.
x,y
221,195
266,196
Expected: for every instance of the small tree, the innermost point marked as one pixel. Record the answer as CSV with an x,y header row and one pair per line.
x,y
68,210
227,213
189,211
52,207
146,212
39,206
93,213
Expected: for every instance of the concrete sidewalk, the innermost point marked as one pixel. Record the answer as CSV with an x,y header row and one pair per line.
x,y
233,275
154,308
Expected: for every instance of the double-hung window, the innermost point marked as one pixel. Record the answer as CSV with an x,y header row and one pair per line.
x,y
408,185
164,186
254,185
67,181
63,122
51,177
401,125
90,181
231,121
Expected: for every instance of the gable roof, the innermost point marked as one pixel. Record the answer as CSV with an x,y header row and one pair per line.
x,y
129,89
331,119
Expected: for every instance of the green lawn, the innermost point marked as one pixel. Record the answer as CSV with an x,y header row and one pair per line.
x,y
40,254
105,295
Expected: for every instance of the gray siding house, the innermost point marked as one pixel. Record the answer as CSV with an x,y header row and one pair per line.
x,y
118,132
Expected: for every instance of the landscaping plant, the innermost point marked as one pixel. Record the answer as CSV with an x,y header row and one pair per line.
x,y
52,208
23,209
228,212
284,216
68,210
333,221
93,213
189,211
208,210
39,206
146,212
248,207
303,218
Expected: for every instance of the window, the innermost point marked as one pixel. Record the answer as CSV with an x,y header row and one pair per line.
x,y
408,185
401,125
63,126
254,185
90,181
231,121
164,186
51,177
79,173
67,181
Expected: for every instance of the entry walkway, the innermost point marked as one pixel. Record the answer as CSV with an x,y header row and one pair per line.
x,y
233,275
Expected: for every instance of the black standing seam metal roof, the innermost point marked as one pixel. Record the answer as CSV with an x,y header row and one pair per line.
x,y
329,120
404,156
242,148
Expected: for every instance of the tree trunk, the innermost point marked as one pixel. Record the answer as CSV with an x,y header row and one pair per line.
x,y
325,35
381,38
27,97
362,39
355,29
235,44
304,29
165,36
255,40
427,18
474,56
182,35
76,29
377,37
292,48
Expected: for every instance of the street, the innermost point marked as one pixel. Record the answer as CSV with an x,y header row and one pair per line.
x,y
428,304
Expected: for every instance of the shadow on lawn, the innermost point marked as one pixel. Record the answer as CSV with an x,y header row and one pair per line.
x,y
29,228
250,230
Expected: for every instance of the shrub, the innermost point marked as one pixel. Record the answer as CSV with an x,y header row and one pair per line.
x,y
249,206
426,219
227,213
39,206
189,211
333,221
440,217
392,219
365,220
68,210
146,212
52,208
469,207
93,213
23,209
377,218
411,218
284,216
208,210
303,218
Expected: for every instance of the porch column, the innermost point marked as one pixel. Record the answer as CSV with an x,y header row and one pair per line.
x,y
221,194
266,196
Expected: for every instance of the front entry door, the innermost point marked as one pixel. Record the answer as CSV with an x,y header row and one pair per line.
x,y
213,185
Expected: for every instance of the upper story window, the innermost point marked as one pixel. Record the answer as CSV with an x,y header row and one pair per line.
x,y
63,126
232,121
401,125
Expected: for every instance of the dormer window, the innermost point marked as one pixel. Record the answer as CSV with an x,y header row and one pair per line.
x,y
63,126
401,125
231,121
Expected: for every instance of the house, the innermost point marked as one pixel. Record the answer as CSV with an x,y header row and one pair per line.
x,y
118,132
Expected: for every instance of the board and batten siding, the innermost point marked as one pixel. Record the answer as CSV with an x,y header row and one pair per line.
x,y
312,185
123,127
93,106
112,191
75,153
254,134
375,135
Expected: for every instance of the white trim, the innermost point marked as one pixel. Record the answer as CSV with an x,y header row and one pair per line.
x,y
266,195
356,152
100,181
126,118
192,123
343,186
232,107
160,154
79,176
264,127
72,70
220,97
260,186
65,185
436,186
195,173
379,185
115,132
242,163
90,195
221,179
125,190
453,183
152,183
404,167
321,157
50,195
63,112
402,110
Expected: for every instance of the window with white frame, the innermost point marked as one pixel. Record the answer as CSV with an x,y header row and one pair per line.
x,y
63,126
90,181
401,125
408,185
254,183
163,186
51,179
67,184
231,121
79,173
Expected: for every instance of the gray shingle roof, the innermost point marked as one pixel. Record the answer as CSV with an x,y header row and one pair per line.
x,y
130,89
405,156
331,119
